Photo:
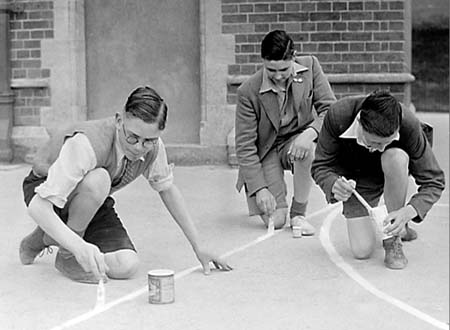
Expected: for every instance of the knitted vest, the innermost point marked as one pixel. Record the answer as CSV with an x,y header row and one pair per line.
x,y
101,134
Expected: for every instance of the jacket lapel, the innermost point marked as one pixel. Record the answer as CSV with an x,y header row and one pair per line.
x,y
271,108
299,89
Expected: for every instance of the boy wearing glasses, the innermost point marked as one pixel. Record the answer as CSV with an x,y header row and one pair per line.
x,y
371,144
73,175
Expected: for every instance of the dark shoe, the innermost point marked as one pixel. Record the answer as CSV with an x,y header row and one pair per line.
x,y
31,246
394,257
408,234
68,265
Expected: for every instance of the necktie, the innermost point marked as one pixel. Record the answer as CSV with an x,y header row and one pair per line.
x,y
127,174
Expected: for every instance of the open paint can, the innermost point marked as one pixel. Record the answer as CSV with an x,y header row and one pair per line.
x,y
161,286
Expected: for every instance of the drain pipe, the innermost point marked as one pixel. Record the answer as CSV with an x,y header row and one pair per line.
x,y
6,94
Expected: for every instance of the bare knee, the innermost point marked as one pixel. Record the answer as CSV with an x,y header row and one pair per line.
x,y
363,251
96,184
361,235
394,162
123,264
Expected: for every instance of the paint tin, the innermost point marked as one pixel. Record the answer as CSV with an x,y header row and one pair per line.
x,y
161,286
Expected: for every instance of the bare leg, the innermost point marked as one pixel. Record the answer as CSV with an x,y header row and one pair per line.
x,y
84,203
302,188
395,168
87,198
361,235
302,177
122,264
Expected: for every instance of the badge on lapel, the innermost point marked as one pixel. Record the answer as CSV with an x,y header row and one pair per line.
x,y
298,76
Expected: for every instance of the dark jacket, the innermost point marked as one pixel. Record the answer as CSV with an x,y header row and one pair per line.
x,y
335,155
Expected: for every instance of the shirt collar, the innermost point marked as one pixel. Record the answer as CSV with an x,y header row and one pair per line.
x,y
351,132
267,85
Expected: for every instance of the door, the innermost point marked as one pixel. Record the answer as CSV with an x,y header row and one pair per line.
x,y
145,42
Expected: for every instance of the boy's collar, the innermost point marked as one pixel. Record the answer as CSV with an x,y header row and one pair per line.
x,y
267,85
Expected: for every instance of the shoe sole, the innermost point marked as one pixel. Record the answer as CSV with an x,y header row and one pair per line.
x,y
396,268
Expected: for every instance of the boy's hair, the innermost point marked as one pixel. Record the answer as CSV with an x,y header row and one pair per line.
x,y
381,114
277,46
146,104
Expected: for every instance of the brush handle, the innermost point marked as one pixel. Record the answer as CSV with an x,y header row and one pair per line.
x,y
100,294
362,200
271,226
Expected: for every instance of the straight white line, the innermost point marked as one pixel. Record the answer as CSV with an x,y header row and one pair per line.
x,y
352,273
137,293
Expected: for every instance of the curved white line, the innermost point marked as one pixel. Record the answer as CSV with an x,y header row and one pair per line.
x,y
352,273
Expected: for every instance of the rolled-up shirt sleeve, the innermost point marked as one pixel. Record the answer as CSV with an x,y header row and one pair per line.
x,y
75,160
160,175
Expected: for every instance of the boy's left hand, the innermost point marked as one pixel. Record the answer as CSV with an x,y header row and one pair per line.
x,y
205,258
301,146
396,220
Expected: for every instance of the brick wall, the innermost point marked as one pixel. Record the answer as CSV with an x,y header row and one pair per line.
x,y
28,26
348,37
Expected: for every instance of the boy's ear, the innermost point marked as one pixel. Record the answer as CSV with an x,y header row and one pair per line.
x,y
118,118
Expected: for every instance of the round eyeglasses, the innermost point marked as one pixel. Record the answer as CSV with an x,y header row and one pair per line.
x,y
133,139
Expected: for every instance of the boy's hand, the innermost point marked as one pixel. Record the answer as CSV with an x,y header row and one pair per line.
x,y
205,258
343,189
301,146
396,220
265,201
92,260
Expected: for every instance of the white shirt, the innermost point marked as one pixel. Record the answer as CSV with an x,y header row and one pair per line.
x,y
77,158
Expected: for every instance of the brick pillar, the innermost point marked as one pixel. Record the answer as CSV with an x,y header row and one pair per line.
x,y
6,95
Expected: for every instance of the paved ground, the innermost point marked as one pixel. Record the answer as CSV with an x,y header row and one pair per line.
x,y
278,282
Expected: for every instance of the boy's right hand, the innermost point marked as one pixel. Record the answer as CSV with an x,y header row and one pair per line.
x,y
92,260
265,201
343,189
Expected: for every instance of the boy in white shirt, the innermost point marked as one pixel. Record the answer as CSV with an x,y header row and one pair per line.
x,y
68,191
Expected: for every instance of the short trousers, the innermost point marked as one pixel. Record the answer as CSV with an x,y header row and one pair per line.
x,y
274,164
105,229
370,188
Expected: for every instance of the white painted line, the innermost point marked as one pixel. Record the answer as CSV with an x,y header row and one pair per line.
x,y
440,205
352,273
137,293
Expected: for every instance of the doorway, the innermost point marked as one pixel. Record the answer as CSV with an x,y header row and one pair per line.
x,y
145,42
